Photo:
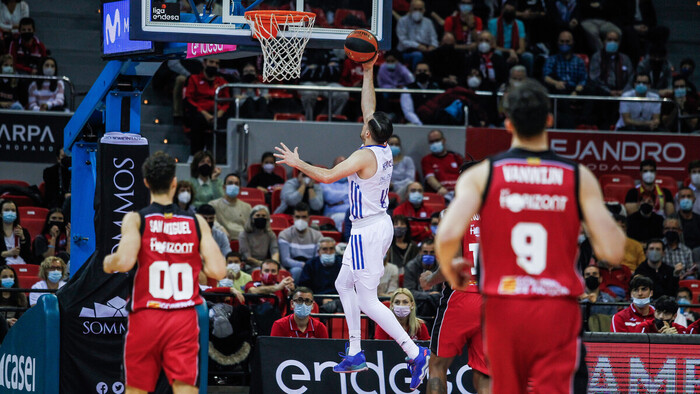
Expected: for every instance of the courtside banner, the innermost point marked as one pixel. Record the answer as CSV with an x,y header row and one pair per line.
x,y
603,152
31,136
299,365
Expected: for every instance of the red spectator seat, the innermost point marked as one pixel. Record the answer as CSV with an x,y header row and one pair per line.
x,y
252,196
395,196
336,118
280,220
13,182
254,169
31,270
318,221
321,19
435,206
26,282
21,201
668,182
617,179
33,212
585,59
694,286
401,280
277,231
615,192
290,116
280,94
686,181
343,13
433,198
338,328
235,246
336,235
275,199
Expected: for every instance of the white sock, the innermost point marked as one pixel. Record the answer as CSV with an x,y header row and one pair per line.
x,y
410,348
355,347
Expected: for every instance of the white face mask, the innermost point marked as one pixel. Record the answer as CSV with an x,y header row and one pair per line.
x,y
49,71
184,197
268,167
417,16
402,310
648,176
474,82
8,70
236,268
301,224
695,178
484,47
641,302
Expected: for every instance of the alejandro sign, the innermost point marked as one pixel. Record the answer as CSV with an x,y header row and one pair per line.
x,y
603,152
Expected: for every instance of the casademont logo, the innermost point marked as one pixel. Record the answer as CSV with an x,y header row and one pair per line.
x,y
114,308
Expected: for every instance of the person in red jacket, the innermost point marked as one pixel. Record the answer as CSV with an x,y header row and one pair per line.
x,y
413,207
441,166
639,311
300,324
693,328
199,105
27,50
404,307
664,315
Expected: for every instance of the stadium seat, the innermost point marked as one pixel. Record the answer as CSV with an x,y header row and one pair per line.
x,y
31,270
280,220
21,201
433,198
617,179
13,182
280,94
254,169
338,328
32,218
252,196
26,282
290,116
668,182
395,196
275,199
694,286
335,118
234,244
317,221
615,192
343,13
435,206
336,235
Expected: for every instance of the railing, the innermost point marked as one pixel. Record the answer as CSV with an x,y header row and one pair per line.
x,y
70,103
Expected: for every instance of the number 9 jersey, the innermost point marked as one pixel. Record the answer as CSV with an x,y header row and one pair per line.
x,y
169,263
530,223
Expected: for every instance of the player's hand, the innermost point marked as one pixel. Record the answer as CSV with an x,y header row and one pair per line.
x,y
286,156
369,65
457,274
424,279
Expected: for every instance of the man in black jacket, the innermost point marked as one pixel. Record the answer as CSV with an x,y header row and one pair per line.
x,y
57,181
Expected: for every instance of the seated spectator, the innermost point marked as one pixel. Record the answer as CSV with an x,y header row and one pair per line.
x,y
257,242
635,116
638,22
517,75
51,272
392,73
27,50
209,214
441,166
685,70
8,278
490,63
335,198
9,87
404,172
269,284
389,281
686,102
693,328
54,239
610,70
16,246
411,101
639,311
416,34
424,261
595,21
301,189
320,272
254,102
231,212
665,283
448,108
634,251
434,222
404,307
690,221
235,266
228,285
694,185
510,36
412,205
11,13
199,105
464,25
184,196
403,249
662,198
57,180
300,324
614,280
298,243
685,315
321,67
645,224
205,179
677,255
658,68
446,74
47,95
266,180
665,310
592,293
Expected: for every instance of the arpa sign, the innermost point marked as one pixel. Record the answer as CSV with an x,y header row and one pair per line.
x,y
603,152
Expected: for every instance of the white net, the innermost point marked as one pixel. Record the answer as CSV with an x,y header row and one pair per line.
x,y
283,37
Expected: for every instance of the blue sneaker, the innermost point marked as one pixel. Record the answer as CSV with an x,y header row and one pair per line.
x,y
351,364
419,367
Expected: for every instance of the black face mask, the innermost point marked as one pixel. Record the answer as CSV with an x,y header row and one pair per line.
x,y
61,226
592,283
399,232
27,36
205,169
66,161
671,237
646,208
260,223
659,323
422,77
508,16
211,70
248,78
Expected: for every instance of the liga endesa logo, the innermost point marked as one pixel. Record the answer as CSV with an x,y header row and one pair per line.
x,y
165,12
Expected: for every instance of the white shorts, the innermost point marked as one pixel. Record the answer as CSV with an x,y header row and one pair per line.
x,y
370,239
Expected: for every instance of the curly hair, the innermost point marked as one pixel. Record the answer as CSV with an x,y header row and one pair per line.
x,y
159,171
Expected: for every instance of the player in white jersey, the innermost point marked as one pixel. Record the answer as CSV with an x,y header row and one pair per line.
x,y
369,172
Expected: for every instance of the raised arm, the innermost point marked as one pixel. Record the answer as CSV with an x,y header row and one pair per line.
x,y
369,99
124,259
359,160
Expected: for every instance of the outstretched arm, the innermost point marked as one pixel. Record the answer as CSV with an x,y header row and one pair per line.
x,y
369,99
356,162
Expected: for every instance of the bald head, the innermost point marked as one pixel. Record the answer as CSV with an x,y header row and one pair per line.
x,y
417,5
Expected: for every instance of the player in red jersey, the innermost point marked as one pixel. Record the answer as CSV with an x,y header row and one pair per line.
x,y
531,203
169,245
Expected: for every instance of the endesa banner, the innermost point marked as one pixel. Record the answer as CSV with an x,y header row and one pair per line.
x,y
30,136
603,152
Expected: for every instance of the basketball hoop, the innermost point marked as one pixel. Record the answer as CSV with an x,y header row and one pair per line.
x,y
283,36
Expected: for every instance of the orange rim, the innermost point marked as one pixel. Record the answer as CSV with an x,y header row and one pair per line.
x,y
269,29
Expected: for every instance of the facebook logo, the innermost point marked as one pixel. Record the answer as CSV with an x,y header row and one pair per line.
x,y
116,30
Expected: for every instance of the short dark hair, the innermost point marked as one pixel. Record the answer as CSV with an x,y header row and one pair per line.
x,y
428,241
232,174
271,261
27,21
641,280
206,209
693,165
687,290
302,207
647,162
159,171
680,78
380,127
234,254
666,304
688,61
642,74
301,289
527,106
657,241
265,155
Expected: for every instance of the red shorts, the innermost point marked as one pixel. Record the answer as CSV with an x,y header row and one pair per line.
x,y
532,342
458,322
161,339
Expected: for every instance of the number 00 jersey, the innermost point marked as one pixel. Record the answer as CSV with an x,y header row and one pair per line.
x,y
530,224
168,264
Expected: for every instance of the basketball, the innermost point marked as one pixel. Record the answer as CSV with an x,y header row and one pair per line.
x,y
361,46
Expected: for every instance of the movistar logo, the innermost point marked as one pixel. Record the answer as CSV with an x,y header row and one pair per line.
x,y
112,27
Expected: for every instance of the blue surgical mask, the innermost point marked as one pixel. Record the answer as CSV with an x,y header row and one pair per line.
x,y
226,282
564,48
232,190
685,204
433,229
415,198
640,88
681,301
641,302
654,256
395,150
55,276
302,310
428,259
327,259
679,92
437,147
611,46
8,282
465,8
9,216
390,66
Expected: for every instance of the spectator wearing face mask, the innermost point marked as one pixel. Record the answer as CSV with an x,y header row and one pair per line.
x,y
677,255
404,307
416,34
184,196
16,245
665,311
665,282
490,63
230,285
298,243
610,70
639,311
685,315
46,95
301,189
231,212
413,207
464,25
257,242
269,283
404,170
694,185
685,104
392,73
645,224
639,116
266,180
254,102
26,49
592,293
411,101
662,199
659,69
209,214
686,68
424,261
403,248
235,267
510,36
9,87
440,167
51,271
690,221
320,272
205,178
300,324
8,278
54,239
595,21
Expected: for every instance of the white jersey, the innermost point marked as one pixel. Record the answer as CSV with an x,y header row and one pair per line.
x,y
369,197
